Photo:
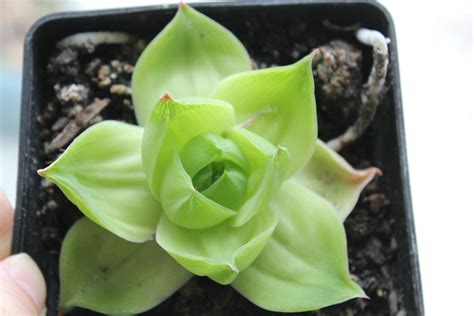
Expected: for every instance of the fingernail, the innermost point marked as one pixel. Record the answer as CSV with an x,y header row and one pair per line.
x,y
26,273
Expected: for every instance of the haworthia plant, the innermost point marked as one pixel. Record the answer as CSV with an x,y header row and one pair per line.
x,y
225,178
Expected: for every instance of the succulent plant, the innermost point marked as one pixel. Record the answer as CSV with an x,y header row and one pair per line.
x,y
224,178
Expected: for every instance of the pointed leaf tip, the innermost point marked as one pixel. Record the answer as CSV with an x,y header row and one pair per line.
x,y
166,96
307,60
42,172
330,176
378,172
234,268
182,5
364,176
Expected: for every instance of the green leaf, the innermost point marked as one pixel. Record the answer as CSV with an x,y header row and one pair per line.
x,y
268,166
188,58
170,127
107,274
229,189
101,173
278,104
217,167
220,252
304,265
205,148
173,124
331,177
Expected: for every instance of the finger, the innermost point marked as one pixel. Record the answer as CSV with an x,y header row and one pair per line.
x,y
22,286
6,226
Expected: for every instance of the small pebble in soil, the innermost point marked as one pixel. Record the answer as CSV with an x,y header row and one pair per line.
x,y
73,92
120,89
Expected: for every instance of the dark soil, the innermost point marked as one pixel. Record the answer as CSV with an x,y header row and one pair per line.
x,y
106,73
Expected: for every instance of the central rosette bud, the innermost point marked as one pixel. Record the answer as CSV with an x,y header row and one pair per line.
x,y
217,167
204,169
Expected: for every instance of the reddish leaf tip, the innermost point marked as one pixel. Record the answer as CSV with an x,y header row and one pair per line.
x,y
363,177
182,5
166,96
370,172
378,172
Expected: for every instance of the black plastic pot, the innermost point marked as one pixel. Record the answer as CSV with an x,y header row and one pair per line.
x,y
385,136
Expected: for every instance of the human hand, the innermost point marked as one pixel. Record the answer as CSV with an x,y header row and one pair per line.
x,y
22,286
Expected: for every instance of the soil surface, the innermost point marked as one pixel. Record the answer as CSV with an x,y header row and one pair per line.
x,y
77,76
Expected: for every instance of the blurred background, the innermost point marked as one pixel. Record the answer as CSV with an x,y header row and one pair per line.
x,y
435,45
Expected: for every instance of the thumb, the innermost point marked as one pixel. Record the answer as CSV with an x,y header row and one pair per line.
x,y
22,286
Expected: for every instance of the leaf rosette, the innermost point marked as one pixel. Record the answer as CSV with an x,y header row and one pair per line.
x,y
228,178
214,182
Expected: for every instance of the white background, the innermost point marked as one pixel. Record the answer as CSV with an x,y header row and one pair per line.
x,y
436,64
435,50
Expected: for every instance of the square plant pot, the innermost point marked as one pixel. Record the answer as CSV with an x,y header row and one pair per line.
x,y
39,228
